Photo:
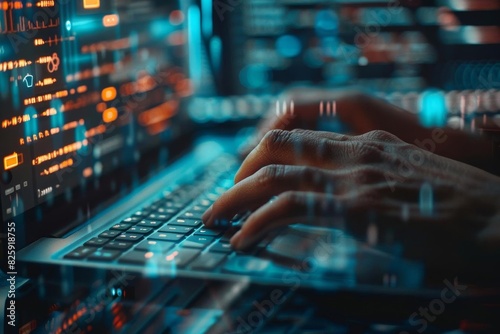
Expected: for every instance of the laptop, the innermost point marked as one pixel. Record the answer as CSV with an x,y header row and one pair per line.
x,y
104,171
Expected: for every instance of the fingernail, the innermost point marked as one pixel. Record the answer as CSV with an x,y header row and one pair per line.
x,y
236,241
206,216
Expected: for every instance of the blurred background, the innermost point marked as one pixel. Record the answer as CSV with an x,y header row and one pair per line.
x,y
439,56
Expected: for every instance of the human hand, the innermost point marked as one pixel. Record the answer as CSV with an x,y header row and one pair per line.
x,y
363,113
319,175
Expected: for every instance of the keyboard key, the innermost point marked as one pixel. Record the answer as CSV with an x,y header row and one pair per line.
x,y
155,246
109,234
204,203
208,261
207,232
121,227
167,211
198,209
173,205
220,190
150,223
197,242
118,245
177,229
181,257
156,216
166,236
158,203
221,248
228,235
132,237
139,257
153,208
104,255
191,215
80,253
96,242
132,220
186,222
140,230
212,197
142,213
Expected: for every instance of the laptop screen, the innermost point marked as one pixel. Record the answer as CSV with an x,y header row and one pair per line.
x,y
86,87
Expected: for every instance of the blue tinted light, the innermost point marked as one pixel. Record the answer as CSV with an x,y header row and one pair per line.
x,y
254,76
288,46
161,28
433,110
195,40
330,46
327,22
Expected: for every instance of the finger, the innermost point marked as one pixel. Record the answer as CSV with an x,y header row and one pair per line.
x,y
295,207
269,181
273,180
298,148
357,214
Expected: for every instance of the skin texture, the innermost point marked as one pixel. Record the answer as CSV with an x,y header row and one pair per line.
x,y
316,175
373,177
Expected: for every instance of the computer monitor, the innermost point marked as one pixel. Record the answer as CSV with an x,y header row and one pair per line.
x,y
87,89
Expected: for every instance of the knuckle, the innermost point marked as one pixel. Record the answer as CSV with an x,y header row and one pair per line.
x,y
275,139
381,135
289,198
325,148
270,174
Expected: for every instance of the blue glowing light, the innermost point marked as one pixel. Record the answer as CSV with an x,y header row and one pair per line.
x,y
326,23
216,51
288,46
433,110
195,42
254,76
161,28
207,17
85,25
330,46
68,25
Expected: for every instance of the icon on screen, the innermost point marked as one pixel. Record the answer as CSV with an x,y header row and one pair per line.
x,y
53,64
28,80
91,4
12,161
108,94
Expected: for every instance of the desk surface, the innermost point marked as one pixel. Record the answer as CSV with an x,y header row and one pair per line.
x,y
143,305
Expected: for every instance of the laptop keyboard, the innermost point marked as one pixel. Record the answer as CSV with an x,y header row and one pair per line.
x,y
170,230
